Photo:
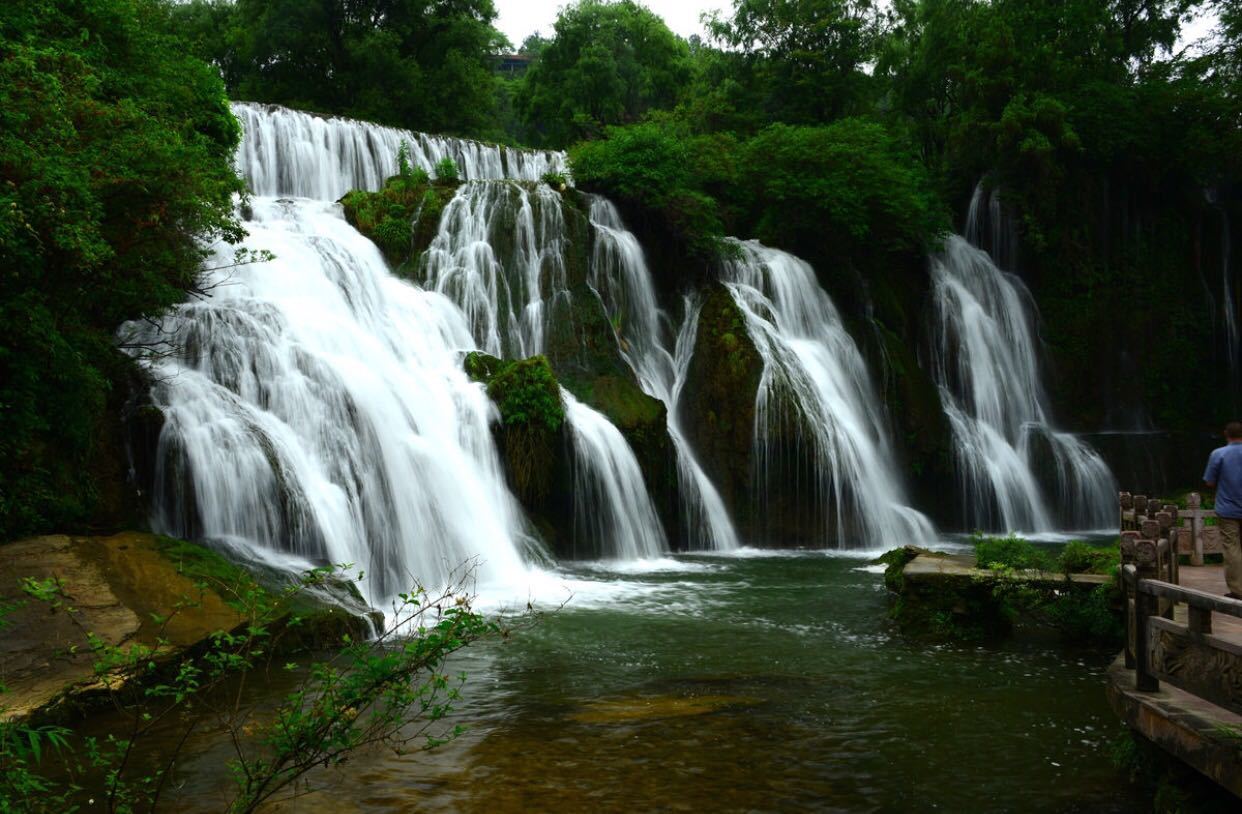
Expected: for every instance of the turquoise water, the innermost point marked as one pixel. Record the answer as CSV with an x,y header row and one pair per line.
x,y
761,683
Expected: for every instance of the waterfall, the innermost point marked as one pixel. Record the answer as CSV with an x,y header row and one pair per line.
x,y
620,275
815,385
610,499
315,405
499,253
288,152
1233,344
1017,471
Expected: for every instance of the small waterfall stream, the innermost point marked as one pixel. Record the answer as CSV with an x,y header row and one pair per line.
x,y
499,253
610,499
619,273
1018,472
815,386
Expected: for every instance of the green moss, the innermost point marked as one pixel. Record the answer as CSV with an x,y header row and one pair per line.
x,y
201,564
402,218
524,390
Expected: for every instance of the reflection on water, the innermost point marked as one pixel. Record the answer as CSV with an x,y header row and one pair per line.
x,y
743,684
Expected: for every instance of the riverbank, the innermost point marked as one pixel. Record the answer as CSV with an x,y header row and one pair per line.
x,y
127,589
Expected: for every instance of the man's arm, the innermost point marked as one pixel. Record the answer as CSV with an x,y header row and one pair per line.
x,y
1212,473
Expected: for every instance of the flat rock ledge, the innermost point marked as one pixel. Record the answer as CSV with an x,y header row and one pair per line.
x,y
116,587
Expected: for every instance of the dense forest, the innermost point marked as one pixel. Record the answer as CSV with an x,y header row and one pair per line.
x,y
852,133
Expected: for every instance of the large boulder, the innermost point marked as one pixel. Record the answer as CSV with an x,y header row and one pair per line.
x,y
718,403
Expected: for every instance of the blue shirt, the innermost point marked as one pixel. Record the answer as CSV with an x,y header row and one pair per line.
x,y
1225,470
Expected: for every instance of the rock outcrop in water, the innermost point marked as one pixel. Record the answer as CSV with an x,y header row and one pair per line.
x,y
531,435
718,400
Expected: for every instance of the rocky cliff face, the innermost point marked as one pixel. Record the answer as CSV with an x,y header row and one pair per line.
x,y
718,403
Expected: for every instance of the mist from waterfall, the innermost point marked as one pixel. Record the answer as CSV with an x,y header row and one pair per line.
x,y
815,388
620,275
1018,472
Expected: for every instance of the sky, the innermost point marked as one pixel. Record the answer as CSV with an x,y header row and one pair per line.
x,y
520,18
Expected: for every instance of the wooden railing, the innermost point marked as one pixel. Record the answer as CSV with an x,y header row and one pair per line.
x,y
1187,656
1191,534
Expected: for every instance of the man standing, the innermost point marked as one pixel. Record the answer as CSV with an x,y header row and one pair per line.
x,y
1224,474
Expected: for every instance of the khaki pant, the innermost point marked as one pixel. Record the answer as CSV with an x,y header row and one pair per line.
x,y
1231,542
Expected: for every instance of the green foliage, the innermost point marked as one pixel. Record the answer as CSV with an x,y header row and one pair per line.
x,y
850,185
1079,557
115,172
524,390
607,64
446,170
1014,553
400,216
556,180
391,690
801,61
414,63
659,167
1010,552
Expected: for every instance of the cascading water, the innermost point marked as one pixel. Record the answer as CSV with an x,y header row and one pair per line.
x,y
619,273
1017,471
1233,343
287,152
610,498
815,388
316,405
499,253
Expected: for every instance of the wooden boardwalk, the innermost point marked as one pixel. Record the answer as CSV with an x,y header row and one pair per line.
x,y
1195,730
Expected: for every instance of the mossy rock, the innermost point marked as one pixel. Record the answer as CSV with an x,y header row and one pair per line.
x,y
402,218
582,348
531,437
718,402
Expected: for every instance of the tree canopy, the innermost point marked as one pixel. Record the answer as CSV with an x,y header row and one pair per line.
x,y
115,171
608,63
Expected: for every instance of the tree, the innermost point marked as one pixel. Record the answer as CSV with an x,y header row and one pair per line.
x,y
804,59
609,63
848,188
116,152
422,64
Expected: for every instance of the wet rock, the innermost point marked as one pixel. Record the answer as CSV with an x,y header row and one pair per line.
x,y
718,402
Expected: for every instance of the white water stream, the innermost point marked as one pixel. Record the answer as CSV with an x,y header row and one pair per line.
x,y
815,387
1018,472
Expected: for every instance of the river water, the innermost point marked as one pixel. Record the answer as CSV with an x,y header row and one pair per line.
x,y
744,683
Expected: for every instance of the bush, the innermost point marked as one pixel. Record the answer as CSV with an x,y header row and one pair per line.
x,y
556,180
1080,557
525,391
997,553
851,185
446,170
